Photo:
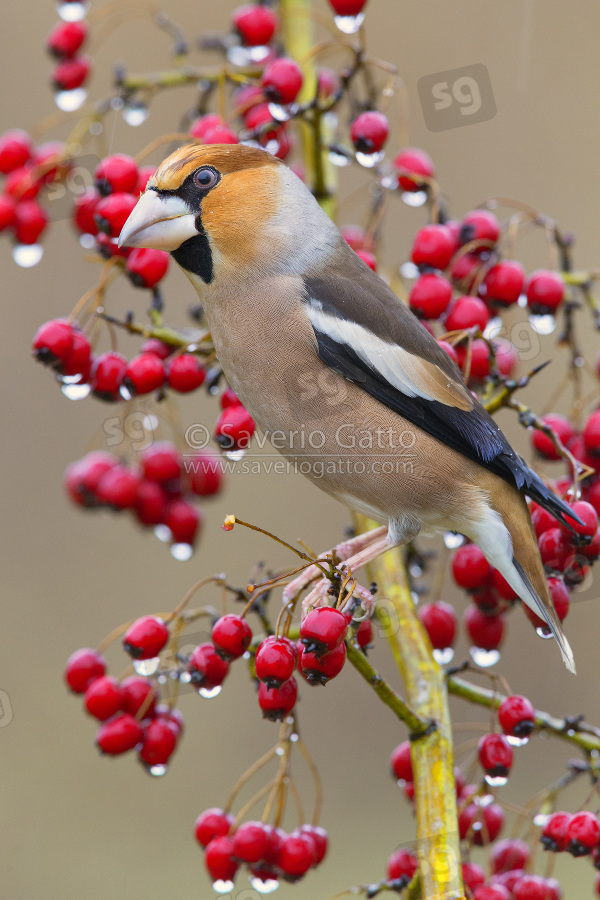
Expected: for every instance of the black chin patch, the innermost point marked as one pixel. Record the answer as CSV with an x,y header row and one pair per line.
x,y
194,255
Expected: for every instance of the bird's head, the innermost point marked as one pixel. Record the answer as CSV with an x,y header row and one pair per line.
x,y
207,204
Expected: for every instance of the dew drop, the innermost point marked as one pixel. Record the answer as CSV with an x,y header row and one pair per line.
x,y
96,128
279,113
369,160
162,678
27,255
117,103
125,392
146,666
76,391
150,423
541,819
414,198
544,633
486,800
257,54
571,732
182,552
496,780
264,887
409,270
517,741
522,301
87,241
272,146
339,159
415,570
389,182
222,887
349,24
543,324
279,751
210,693
238,56
443,657
294,737
493,328
72,12
163,533
235,455
157,770
185,677
484,658
69,101
135,114
453,540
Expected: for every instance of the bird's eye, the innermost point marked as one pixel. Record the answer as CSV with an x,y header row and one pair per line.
x,y
206,178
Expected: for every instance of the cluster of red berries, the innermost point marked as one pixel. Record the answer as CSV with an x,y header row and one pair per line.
x,y
65,43
269,853
159,491
129,712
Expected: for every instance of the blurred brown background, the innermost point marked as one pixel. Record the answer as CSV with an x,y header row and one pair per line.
x,y
74,825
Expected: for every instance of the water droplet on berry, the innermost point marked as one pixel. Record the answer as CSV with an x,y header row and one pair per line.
x,y
117,103
493,327
185,677
484,658
486,800
443,657
541,819
238,56
339,159
222,887
235,455
264,887
69,101
157,770
279,113
125,392
257,54
27,255
409,270
522,301
76,391
414,198
517,741
72,12
544,633
87,241
543,324
135,114
496,780
452,540
349,24
369,160
210,693
181,552
146,666
163,533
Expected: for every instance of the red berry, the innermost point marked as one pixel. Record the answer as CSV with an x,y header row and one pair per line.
x,y
144,176
364,634
174,716
146,267
510,854
554,548
66,38
144,373
79,360
321,669
369,131
84,208
229,398
185,373
118,487
113,211
207,668
591,434
412,162
503,588
219,859
534,887
50,160
583,833
479,225
592,550
117,174
439,620
150,503
401,763
472,875
71,73
251,841
118,735
560,599
479,362
545,292
139,696
484,631
158,347
433,246
542,520
103,698
482,823
467,312
160,741
212,823
449,349
234,429
281,80
401,863
255,24
53,342
320,841
470,568
161,462
23,184
275,660
16,149
491,892
82,477
542,442
183,521
348,7
296,856
277,702
323,629
465,270
516,716
495,755
589,517
204,124
146,637
8,209
204,473
30,222
231,636
83,668
354,236
508,880
368,258
220,134
554,833
430,295
504,283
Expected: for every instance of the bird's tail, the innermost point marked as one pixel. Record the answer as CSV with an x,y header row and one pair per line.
x,y
508,540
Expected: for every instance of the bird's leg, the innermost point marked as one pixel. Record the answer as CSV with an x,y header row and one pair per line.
x,y
343,551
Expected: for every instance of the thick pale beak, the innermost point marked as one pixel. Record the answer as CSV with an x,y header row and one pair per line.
x,y
162,223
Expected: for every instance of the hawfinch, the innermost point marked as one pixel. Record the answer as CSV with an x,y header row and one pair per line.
x,y
335,369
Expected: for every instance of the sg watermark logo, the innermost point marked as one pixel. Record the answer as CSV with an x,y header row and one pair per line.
x,y
457,97
6,713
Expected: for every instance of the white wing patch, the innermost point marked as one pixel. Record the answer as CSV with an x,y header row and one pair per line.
x,y
408,373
